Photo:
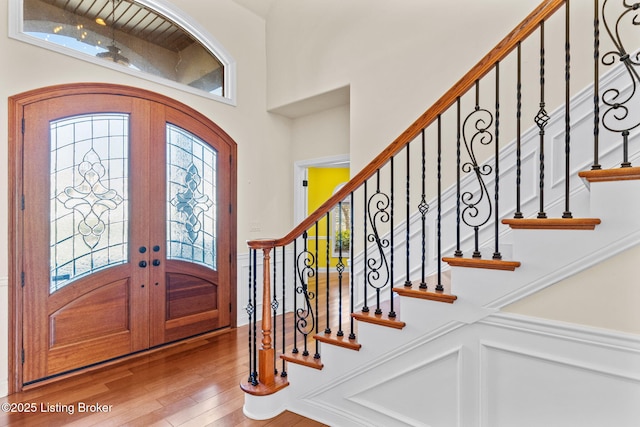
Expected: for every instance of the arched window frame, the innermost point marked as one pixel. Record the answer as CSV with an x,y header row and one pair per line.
x,y
163,7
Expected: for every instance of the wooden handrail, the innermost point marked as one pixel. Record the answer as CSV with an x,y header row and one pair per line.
x,y
498,53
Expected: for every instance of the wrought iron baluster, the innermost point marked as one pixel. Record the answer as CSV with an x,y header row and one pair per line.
x,y
283,371
295,298
475,129
255,315
378,274
340,270
423,208
352,334
541,119
327,330
392,312
622,114
274,306
518,213
596,86
439,286
305,317
567,118
458,252
253,370
365,307
407,281
496,253
316,273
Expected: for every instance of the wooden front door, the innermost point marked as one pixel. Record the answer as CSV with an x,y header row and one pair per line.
x,y
127,231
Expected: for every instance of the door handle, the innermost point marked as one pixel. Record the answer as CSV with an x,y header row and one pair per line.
x,y
142,264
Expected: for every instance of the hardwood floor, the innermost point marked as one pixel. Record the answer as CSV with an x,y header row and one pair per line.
x,y
191,384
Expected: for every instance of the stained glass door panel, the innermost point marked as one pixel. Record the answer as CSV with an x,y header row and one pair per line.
x,y
124,202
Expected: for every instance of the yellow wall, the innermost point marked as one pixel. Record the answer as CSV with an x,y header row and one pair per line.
x,y
322,183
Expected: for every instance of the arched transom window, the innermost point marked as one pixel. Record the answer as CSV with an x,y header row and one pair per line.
x,y
148,38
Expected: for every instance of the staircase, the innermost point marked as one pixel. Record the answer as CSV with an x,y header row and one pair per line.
x,y
414,332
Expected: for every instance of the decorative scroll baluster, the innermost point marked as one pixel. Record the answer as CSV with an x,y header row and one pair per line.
x,y
541,120
475,130
623,112
567,117
352,335
458,252
407,281
596,86
283,371
378,273
496,253
305,316
439,286
423,208
518,213
327,330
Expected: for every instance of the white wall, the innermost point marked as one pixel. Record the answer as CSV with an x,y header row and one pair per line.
x,y
604,296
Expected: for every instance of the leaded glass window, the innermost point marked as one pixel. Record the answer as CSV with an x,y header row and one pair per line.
x,y
89,198
191,198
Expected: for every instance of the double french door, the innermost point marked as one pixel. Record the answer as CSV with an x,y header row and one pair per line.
x,y
127,231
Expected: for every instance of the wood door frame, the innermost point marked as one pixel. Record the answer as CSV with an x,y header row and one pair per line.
x,y
15,217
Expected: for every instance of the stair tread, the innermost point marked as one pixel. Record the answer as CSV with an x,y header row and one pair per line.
x,y
379,319
490,264
340,341
617,174
428,294
552,223
298,358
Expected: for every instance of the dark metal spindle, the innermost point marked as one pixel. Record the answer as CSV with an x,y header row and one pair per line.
x,y
255,315
596,85
567,119
496,253
458,252
340,268
541,120
407,282
250,310
352,334
392,312
439,286
327,330
274,306
283,371
316,274
423,208
378,309
295,297
365,307
518,213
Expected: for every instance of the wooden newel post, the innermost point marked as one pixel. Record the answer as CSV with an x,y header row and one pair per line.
x,y
266,355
